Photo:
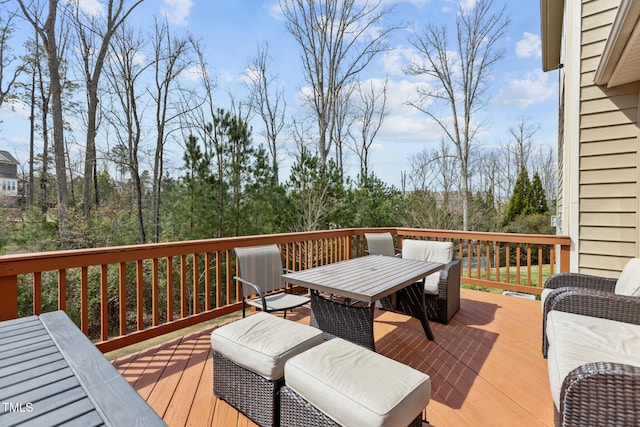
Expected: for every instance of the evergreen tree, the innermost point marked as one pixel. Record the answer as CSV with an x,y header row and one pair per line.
x,y
519,202
316,192
537,197
373,204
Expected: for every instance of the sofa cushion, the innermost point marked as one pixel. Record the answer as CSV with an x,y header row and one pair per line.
x,y
426,250
629,281
575,339
262,343
344,381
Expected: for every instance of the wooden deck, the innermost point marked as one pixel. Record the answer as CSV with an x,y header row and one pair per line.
x,y
486,367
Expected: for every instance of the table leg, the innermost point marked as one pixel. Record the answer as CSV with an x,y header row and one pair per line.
x,y
410,301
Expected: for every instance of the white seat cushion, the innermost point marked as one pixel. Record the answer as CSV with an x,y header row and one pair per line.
x,y
575,339
426,250
262,343
629,281
345,381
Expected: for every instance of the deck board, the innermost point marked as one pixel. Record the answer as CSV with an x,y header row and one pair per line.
x,y
486,367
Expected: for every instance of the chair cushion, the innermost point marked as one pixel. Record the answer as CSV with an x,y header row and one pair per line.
x,y
345,381
426,250
262,343
280,301
629,281
575,339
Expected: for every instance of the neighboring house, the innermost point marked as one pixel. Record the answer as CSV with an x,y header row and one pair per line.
x,y
596,46
8,175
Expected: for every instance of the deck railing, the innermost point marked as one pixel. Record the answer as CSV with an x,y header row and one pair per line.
x,y
120,296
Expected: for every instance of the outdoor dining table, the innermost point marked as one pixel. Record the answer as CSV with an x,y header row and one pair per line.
x,y
343,294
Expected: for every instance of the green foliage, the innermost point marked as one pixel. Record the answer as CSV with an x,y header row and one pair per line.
x,y
33,234
484,215
537,196
519,202
316,193
373,204
528,198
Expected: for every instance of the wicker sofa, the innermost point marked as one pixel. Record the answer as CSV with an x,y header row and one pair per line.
x,y
591,338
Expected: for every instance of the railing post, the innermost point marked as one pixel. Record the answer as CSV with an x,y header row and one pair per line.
x,y
565,263
9,300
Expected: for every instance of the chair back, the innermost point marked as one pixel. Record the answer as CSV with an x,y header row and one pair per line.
x,y
427,250
380,244
260,265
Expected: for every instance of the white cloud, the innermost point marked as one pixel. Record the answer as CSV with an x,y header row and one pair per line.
x,y
529,46
177,11
90,7
15,108
396,60
192,74
533,88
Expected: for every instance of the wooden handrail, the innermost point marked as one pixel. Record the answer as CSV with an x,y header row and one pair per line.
x,y
126,294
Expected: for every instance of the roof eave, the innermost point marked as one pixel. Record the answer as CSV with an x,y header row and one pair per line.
x,y
551,16
622,38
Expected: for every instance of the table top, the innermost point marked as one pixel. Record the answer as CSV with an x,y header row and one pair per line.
x,y
367,278
51,374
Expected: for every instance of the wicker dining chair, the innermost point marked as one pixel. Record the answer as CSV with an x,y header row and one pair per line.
x,y
441,289
261,273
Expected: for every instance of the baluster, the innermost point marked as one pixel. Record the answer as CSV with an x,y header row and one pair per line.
x,y
104,302
36,288
169,288
155,293
123,298
139,295
84,300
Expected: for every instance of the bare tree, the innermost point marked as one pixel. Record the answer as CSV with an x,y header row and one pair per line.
x,y
515,154
267,101
171,58
435,180
10,69
123,73
522,141
461,76
544,161
44,21
370,114
94,33
338,39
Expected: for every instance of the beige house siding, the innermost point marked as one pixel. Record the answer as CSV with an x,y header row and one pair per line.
x,y
608,155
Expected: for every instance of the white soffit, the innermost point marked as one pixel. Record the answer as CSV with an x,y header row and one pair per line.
x,y
551,15
620,61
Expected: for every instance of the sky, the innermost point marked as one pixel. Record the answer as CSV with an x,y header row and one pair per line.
x,y
232,30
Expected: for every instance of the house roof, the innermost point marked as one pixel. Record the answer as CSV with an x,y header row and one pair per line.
x,y
6,157
620,60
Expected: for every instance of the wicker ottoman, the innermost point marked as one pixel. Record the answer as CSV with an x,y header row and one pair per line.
x,y
339,383
248,362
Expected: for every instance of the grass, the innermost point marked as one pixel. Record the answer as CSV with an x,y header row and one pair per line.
x,y
546,273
